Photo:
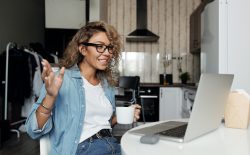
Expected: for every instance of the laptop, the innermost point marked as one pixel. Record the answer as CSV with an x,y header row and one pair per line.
x,y
206,115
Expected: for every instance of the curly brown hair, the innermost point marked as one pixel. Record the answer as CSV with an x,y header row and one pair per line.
x,y
73,56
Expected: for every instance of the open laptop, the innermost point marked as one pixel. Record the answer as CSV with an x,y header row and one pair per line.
x,y
206,115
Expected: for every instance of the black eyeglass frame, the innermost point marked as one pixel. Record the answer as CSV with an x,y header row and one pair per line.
x,y
109,47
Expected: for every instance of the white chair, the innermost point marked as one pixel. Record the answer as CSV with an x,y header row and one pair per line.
x,y
45,145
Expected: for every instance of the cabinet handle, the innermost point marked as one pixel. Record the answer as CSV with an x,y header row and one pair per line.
x,y
142,91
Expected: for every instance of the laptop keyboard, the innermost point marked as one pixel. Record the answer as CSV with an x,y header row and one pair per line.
x,y
175,132
160,128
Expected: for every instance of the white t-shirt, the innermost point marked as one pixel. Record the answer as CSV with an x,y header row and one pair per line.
x,y
98,110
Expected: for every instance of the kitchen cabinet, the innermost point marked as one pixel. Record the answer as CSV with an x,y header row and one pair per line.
x,y
195,29
225,40
170,103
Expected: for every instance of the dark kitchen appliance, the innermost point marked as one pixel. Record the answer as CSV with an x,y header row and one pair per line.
x,y
168,78
149,98
141,33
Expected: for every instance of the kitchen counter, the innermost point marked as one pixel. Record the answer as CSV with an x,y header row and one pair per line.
x,y
188,85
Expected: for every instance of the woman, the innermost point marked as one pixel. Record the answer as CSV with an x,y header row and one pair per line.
x,y
76,107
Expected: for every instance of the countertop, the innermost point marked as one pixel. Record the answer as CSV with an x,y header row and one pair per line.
x,y
188,85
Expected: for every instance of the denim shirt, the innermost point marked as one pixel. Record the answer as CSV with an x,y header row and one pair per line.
x,y
66,123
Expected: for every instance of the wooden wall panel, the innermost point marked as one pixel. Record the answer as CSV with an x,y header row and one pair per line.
x,y
183,34
146,48
169,19
162,33
133,46
127,19
175,38
155,45
120,17
169,31
112,18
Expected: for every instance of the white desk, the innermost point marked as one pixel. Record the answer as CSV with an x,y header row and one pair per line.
x,y
223,141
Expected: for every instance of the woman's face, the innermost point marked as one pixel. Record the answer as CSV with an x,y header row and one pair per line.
x,y
92,57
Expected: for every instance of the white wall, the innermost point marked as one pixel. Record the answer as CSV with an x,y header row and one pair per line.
x,y
65,14
239,42
21,22
94,11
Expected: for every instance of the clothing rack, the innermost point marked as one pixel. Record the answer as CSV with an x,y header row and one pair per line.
x,y
7,78
9,46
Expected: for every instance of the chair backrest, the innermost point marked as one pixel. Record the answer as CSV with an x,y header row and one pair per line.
x,y
130,84
45,145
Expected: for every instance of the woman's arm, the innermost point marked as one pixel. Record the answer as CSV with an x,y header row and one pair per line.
x,y
52,84
43,112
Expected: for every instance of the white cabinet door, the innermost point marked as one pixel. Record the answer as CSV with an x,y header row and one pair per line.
x,y
170,103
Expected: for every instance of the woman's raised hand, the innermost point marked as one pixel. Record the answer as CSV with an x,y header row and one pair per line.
x,y
52,82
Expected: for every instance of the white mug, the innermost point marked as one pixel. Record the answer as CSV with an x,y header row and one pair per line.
x,y
125,115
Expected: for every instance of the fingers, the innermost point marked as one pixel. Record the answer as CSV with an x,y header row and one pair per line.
x,y
46,69
46,64
59,78
61,73
136,106
44,73
137,111
49,79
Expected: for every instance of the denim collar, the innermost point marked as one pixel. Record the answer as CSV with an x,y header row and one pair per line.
x,y
75,73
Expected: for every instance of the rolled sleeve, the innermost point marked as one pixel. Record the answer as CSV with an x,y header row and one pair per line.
x,y
32,125
31,122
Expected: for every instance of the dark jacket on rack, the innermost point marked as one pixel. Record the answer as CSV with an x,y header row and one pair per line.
x,y
20,72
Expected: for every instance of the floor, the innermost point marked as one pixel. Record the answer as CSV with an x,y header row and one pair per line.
x,y
27,146
22,146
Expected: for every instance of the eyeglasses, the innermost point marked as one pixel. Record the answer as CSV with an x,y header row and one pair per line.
x,y
100,48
